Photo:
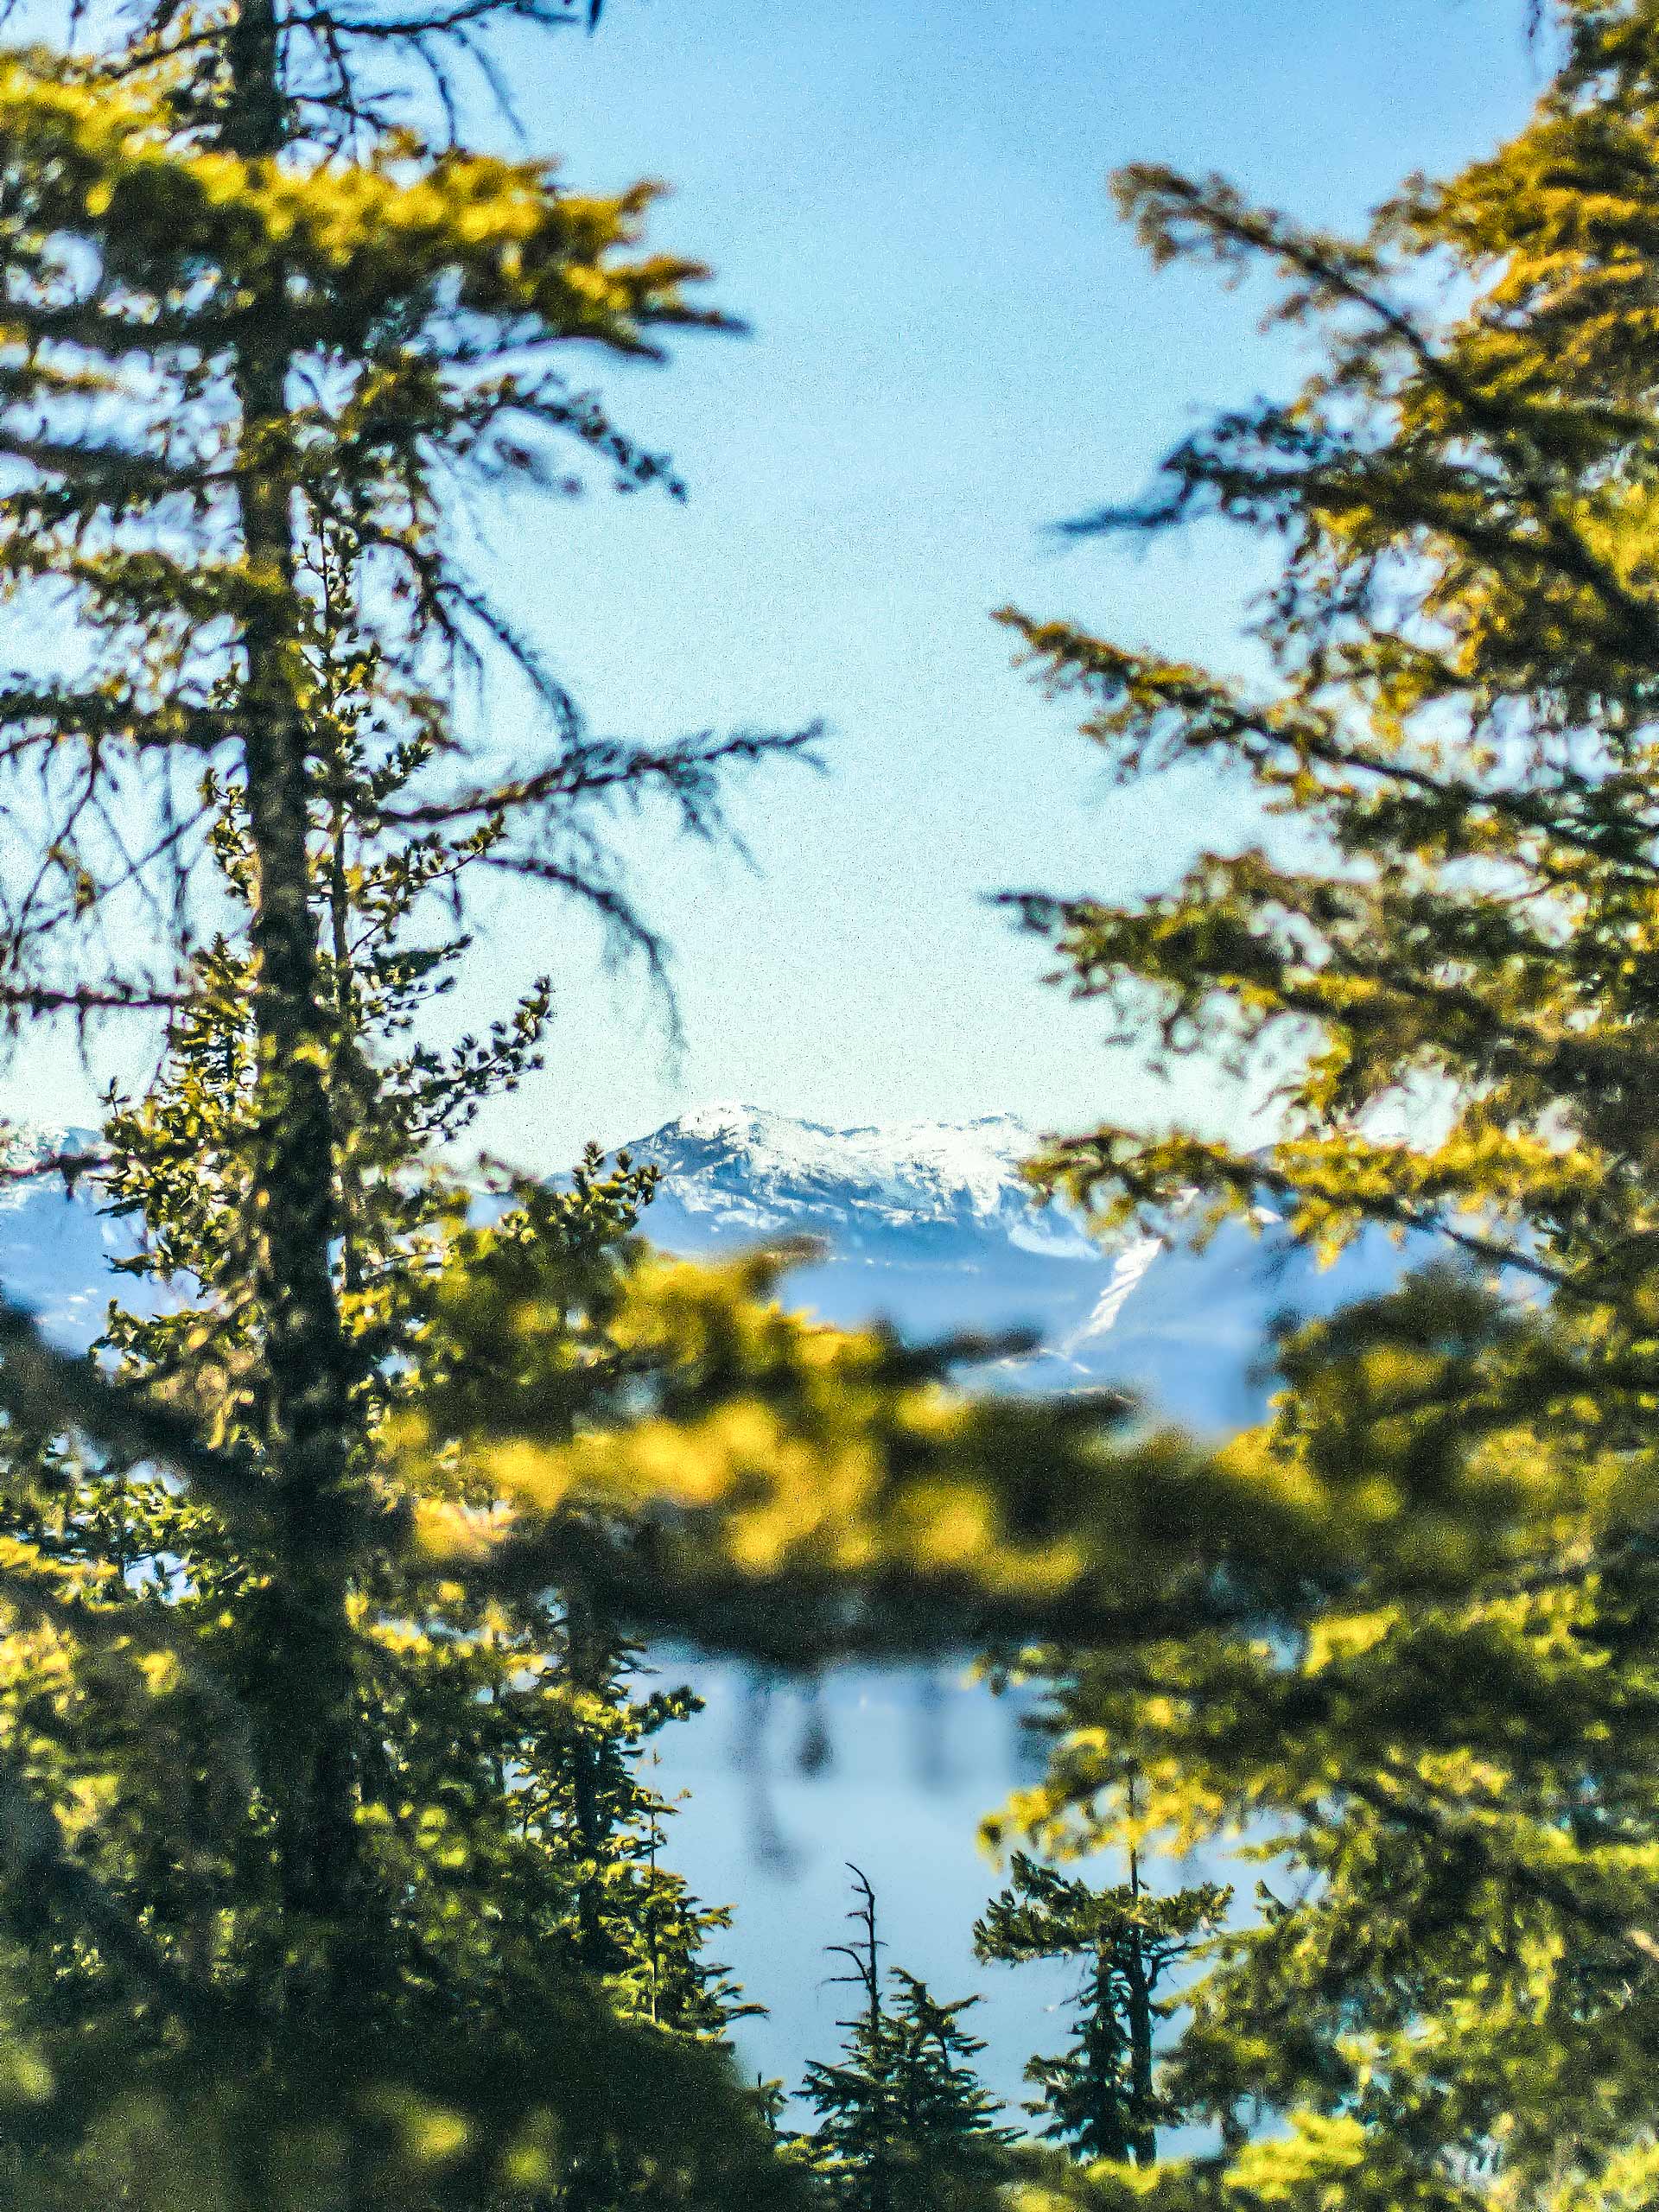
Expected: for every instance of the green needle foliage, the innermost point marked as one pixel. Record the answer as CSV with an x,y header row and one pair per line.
x,y
1439,1726
904,2125
1100,2095
324,1879
503,1886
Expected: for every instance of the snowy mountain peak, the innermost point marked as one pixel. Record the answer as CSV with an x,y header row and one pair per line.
x,y
933,1223
759,1172
27,1145
982,1151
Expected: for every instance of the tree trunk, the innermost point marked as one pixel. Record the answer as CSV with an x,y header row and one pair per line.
x,y
307,1420
588,1652
1143,2135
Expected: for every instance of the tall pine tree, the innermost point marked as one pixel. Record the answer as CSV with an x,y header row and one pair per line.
x,y
509,1849
293,1835
1436,1709
1100,2096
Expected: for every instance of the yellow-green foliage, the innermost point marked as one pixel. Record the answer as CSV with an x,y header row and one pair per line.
x,y
1441,1745
326,1881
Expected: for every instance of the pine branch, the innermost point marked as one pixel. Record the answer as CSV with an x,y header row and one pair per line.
x,y
48,1391
35,1865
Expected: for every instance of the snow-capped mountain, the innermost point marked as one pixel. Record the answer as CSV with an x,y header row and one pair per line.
x,y
933,1224
928,1222
738,1169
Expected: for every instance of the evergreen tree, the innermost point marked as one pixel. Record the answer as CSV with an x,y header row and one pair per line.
x,y
904,2125
559,1745
322,1880
1412,1645
509,1842
1100,2095
323,1877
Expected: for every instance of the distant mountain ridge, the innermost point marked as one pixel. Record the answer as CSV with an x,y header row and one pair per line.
x,y
736,1167
930,1223
933,1224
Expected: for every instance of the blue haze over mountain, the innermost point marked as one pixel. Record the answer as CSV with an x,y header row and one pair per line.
x,y
932,1225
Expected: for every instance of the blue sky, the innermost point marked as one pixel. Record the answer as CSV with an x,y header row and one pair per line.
x,y
954,344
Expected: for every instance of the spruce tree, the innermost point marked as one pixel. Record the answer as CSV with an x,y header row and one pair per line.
x,y
904,2125
1100,2096
295,1865
510,1850
1411,1647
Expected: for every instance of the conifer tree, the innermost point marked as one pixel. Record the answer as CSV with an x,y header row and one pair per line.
x,y
1436,1711
560,1748
508,1843
299,1861
1100,2095
904,2124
